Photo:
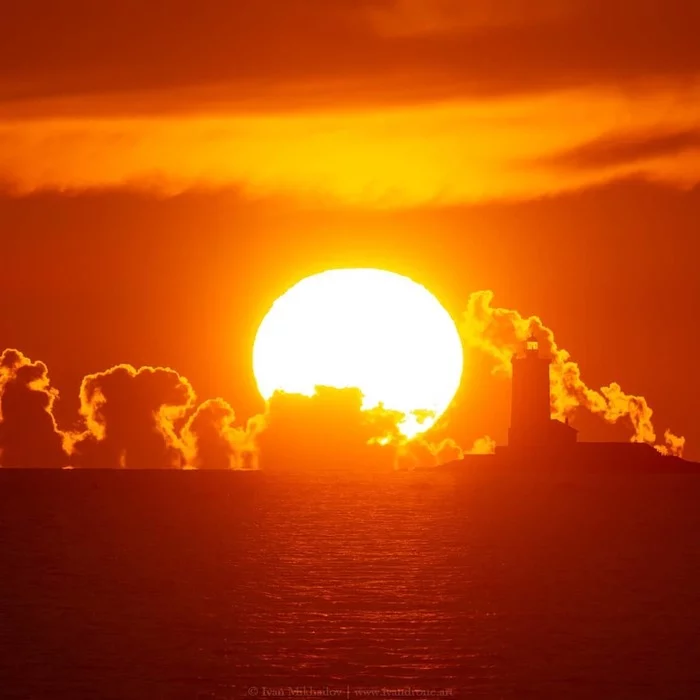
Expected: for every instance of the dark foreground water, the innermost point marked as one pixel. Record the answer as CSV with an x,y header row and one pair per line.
x,y
187,585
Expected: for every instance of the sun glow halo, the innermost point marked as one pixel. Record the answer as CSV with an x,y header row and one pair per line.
x,y
375,330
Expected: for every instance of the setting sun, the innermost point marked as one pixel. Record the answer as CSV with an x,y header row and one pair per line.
x,y
371,329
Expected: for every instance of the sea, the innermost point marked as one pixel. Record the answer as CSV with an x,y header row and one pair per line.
x,y
186,585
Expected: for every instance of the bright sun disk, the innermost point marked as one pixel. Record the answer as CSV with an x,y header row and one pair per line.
x,y
375,330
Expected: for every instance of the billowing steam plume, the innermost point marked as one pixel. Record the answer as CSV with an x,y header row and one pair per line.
x,y
500,332
29,436
130,417
211,439
151,418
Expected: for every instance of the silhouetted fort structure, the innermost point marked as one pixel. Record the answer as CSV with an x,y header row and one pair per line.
x,y
535,438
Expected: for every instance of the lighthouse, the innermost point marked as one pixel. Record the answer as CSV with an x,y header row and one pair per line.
x,y
531,424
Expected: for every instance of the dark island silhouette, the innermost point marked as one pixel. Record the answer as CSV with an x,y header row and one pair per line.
x,y
536,439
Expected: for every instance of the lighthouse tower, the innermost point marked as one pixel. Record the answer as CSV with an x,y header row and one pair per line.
x,y
531,423
530,412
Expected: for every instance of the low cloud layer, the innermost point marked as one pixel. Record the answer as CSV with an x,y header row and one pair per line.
x,y
151,417
621,149
373,102
390,157
476,47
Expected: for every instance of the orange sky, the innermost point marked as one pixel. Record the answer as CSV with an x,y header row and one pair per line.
x,y
168,174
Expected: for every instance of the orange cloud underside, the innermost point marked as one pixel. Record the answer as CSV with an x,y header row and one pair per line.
x,y
448,151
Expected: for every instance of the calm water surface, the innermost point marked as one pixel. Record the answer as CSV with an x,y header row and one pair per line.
x,y
186,585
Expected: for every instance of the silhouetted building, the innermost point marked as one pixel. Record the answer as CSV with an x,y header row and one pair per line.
x,y
537,440
531,424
